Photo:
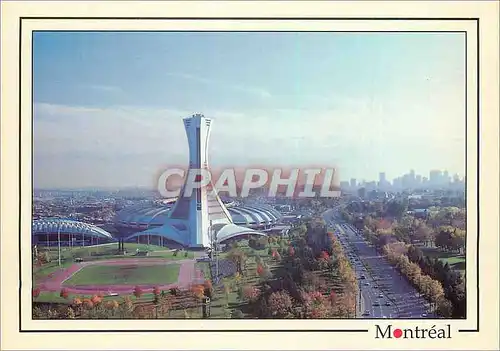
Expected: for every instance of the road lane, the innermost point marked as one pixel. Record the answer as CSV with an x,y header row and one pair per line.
x,y
399,299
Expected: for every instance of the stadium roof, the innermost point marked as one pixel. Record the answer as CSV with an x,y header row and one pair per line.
x,y
223,232
67,226
245,215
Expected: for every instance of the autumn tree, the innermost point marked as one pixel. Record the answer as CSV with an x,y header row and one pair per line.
x,y
280,304
64,293
138,292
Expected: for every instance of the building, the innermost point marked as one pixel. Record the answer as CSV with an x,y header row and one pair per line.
x,y
435,177
353,183
66,232
344,185
381,177
418,180
196,220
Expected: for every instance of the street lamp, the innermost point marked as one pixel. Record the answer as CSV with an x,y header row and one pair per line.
x,y
215,254
59,244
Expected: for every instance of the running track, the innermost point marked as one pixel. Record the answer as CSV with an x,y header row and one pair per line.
x,y
188,275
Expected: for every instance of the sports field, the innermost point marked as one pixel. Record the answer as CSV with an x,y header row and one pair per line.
x,y
127,274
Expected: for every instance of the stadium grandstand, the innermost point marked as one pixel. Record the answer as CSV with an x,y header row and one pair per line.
x,y
51,231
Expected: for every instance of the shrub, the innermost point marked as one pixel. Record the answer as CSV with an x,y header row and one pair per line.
x,y
175,253
174,291
186,254
35,292
156,291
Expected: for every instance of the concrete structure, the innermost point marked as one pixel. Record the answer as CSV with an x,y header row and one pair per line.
x,y
199,218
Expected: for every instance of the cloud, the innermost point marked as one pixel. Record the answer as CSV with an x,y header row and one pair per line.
x,y
419,127
259,92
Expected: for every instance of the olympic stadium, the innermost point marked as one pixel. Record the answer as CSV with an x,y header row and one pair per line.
x,y
138,224
144,223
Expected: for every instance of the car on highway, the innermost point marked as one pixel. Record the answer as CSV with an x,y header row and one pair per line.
x,y
376,304
381,295
387,303
366,313
366,284
424,315
362,276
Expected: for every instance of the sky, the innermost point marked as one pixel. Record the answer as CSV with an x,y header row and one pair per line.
x,y
108,107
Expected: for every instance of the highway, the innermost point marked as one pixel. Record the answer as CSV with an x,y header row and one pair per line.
x,y
385,293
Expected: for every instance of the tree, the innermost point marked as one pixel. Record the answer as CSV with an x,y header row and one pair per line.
x,y
444,308
238,257
423,233
260,270
64,293
198,291
96,300
138,292
316,305
280,304
324,256
396,209
251,293
444,238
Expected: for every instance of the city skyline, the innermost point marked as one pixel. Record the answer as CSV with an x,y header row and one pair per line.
x,y
107,105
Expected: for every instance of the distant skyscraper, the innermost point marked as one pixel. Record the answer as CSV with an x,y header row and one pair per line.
x,y
353,183
435,177
446,177
418,179
411,179
381,178
406,182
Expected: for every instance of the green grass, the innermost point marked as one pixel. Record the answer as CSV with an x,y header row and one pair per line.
x,y
126,274
110,251
455,261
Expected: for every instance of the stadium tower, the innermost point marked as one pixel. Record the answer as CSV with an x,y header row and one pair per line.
x,y
198,217
202,207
